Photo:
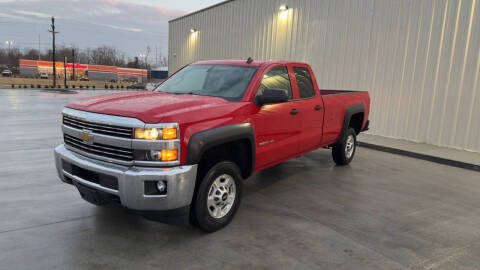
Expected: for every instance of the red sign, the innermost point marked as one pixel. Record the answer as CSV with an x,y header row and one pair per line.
x,y
80,66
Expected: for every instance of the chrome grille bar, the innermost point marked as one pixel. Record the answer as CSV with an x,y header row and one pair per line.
x,y
99,149
123,132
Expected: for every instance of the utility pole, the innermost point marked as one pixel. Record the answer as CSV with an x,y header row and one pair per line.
x,y
65,71
53,43
73,65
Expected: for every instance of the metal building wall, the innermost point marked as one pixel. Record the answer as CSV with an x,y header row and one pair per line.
x,y
419,59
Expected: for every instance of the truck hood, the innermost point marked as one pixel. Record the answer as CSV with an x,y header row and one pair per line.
x,y
155,107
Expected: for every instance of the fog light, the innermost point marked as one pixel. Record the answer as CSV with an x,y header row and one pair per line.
x,y
161,186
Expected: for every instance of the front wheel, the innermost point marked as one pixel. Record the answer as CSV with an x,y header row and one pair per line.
x,y
218,196
344,150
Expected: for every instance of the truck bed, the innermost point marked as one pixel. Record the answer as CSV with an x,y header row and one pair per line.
x,y
336,103
329,92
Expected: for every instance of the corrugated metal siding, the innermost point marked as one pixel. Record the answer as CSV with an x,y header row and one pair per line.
x,y
419,59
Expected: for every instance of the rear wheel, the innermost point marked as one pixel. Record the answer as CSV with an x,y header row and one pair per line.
x,y
344,150
218,196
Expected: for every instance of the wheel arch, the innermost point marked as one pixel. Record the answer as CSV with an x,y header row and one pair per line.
x,y
238,136
355,112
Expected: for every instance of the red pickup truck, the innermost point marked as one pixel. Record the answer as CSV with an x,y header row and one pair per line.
x,y
181,152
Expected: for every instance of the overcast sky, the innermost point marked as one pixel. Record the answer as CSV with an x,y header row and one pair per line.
x,y
125,24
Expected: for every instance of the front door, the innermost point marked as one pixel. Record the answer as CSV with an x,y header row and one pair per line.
x,y
276,125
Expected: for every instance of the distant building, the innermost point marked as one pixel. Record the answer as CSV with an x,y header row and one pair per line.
x,y
160,73
33,68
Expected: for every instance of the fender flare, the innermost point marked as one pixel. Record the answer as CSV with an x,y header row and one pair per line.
x,y
204,140
349,112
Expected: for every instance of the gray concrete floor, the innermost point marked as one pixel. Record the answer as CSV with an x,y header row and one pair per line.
x,y
382,212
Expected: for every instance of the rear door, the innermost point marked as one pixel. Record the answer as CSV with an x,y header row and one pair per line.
x,y
311,107
277,126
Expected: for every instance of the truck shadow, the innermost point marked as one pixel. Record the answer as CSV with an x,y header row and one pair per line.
x,y
117,220
319,159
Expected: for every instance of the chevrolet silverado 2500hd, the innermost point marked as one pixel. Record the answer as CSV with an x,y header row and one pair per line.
x,y
182,151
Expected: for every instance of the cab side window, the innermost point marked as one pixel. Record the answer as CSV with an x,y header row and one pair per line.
x,y
304,81
276,78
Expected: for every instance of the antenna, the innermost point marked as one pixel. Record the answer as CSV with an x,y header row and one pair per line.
x,y
249,60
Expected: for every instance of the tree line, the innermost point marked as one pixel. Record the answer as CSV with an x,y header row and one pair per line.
x,y
102,55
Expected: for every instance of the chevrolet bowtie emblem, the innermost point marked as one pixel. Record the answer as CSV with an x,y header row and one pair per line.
x,y
86,136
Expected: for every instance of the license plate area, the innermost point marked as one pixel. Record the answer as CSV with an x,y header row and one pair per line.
x,y
101,179
96,197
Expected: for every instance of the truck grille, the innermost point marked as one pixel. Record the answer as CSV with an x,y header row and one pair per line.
x,y
108,151
110,130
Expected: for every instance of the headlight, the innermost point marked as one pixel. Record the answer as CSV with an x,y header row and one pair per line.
x,y
164,155
156,133
169,133
147,133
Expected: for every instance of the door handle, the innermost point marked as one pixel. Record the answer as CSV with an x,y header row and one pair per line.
x,y
294,111
318,108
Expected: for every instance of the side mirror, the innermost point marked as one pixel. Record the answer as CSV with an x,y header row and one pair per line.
x,y
271,95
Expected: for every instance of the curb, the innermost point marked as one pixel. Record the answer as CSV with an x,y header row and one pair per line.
x,y
444,161
59,91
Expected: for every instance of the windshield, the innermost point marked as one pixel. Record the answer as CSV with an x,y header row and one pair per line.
x,y
228,82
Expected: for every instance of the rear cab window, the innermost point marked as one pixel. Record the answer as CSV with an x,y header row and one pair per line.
x,y
304,82
278,78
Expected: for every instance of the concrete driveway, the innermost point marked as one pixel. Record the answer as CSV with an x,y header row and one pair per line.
x,y
382,212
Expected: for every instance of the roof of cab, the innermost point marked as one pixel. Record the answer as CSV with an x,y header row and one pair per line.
x,y
240,62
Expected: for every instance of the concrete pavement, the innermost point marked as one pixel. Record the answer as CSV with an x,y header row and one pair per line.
x,y
383,211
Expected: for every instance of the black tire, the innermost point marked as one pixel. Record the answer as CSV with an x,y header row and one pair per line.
x,y
339,151
201,214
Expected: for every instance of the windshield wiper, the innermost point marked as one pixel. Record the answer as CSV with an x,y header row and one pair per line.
x,y
193,93
181,93
186,93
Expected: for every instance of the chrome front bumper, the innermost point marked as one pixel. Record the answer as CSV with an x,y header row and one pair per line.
x,y
131,181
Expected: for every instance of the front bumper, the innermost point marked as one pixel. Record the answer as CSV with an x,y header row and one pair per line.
x,y
131,181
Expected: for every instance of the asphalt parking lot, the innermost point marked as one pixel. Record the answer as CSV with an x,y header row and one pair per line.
x,y
384,211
